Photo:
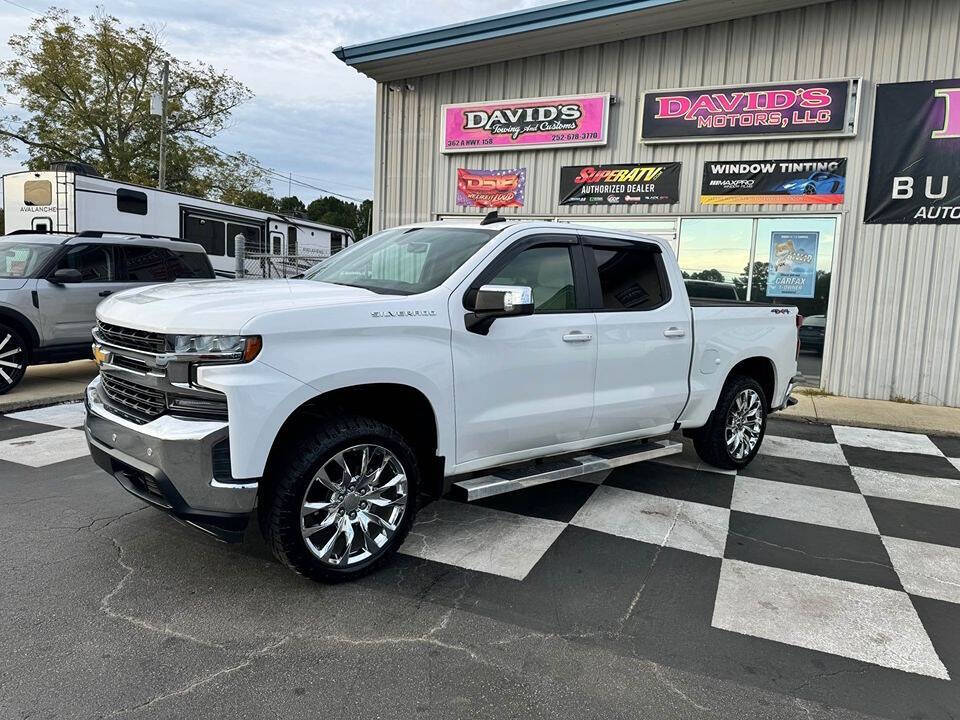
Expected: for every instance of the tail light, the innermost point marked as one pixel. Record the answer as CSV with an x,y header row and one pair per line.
x,y
799,323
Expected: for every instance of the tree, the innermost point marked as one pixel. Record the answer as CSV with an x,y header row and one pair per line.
x,y
712,275
85,87
291,206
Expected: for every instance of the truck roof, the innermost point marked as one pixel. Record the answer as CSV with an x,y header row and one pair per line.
x,y
504,223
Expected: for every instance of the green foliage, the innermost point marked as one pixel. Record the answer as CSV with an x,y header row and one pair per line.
x,y
84,88
712,275
292,206
334,211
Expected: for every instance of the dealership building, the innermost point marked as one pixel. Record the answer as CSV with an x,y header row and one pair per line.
x,y
791,151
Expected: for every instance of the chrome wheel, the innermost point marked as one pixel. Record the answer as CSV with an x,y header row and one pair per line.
x,y
11,358
353,505
744,424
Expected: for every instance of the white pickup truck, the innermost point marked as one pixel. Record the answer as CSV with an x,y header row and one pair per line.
x,y
486,356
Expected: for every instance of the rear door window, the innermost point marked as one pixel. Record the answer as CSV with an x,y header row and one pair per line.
x,y
189,266
143,264
631,277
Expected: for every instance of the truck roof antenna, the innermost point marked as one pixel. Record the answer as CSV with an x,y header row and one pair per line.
x,y
492,217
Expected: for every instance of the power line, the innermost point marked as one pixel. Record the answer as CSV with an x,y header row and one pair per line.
x,y
22,7
287,178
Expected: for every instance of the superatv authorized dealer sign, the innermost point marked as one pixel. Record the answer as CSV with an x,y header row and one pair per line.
x,y
625,184
774,182
745,112
915,161
525,123
491,188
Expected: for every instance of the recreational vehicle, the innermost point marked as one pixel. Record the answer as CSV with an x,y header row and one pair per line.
x,y
72,198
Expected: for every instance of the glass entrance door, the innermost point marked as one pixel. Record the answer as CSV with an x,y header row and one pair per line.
x,y
786,260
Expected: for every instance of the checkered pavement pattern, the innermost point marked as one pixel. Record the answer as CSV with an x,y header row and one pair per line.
x,y
828,541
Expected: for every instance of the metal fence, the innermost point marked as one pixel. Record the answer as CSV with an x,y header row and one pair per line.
x,y
253,263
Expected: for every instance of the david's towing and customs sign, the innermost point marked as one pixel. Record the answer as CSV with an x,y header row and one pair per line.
x,y
915,162
793,264
562,121
491,188
818,108
624,184
774,182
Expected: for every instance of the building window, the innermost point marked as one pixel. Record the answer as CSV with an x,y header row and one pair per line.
x,y
336,242
131,201
37,193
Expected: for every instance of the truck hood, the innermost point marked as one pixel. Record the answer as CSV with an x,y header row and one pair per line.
x,y
220,306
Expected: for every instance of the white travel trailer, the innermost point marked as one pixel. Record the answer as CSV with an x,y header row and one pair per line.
x,y
71,198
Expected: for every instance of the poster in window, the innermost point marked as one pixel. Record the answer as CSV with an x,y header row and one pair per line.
x,y
915,162
491,188
793,264
774,182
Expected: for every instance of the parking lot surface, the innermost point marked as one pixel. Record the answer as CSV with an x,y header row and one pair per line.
x,y
822,581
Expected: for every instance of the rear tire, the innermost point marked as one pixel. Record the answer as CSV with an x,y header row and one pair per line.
x,y
734,433
344,500
13,358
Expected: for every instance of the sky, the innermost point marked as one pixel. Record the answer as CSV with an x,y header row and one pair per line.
x,y
311,115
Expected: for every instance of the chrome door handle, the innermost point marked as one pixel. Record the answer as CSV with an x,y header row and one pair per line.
x,y
674,332
576,337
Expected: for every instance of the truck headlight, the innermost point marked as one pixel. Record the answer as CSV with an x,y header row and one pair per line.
x,y
215,348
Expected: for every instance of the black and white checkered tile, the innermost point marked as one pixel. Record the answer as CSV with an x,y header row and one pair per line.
x,y
829,541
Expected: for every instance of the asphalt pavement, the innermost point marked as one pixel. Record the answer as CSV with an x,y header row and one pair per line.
x,y
821,582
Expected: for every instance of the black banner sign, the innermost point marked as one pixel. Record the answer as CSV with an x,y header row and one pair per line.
x,y
774,182
623,184
819,107
915,161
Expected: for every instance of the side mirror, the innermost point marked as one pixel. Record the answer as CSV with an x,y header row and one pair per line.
x,y
65,276
497,301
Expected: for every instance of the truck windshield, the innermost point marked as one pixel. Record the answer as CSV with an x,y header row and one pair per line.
x,y
22,260
402,261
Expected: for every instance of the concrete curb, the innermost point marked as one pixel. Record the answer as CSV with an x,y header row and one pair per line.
x,y
37,402
878,414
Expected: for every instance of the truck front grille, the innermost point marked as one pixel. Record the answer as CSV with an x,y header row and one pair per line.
x,y
134,402
131,338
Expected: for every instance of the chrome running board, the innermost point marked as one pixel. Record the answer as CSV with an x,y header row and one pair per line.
x,y
529,474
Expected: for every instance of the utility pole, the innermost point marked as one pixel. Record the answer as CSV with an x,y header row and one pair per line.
x,y
290,185
163,125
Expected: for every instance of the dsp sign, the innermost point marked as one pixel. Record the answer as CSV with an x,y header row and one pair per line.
x,y
751,112
491,188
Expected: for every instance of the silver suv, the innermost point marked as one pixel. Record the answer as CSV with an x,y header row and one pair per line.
x,y
50,286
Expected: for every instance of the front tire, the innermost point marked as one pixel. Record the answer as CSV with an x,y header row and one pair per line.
x,y
345,501
732,437
13,358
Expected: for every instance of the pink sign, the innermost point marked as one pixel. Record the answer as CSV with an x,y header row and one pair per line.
x,y
525,123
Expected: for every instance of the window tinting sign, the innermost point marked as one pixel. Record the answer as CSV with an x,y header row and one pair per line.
x,y
793,264
624,184
777,182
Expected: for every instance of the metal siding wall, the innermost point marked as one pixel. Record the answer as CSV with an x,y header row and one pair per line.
x,y
894,322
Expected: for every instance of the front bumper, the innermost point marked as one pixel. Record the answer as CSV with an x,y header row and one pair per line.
x,y
170,464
